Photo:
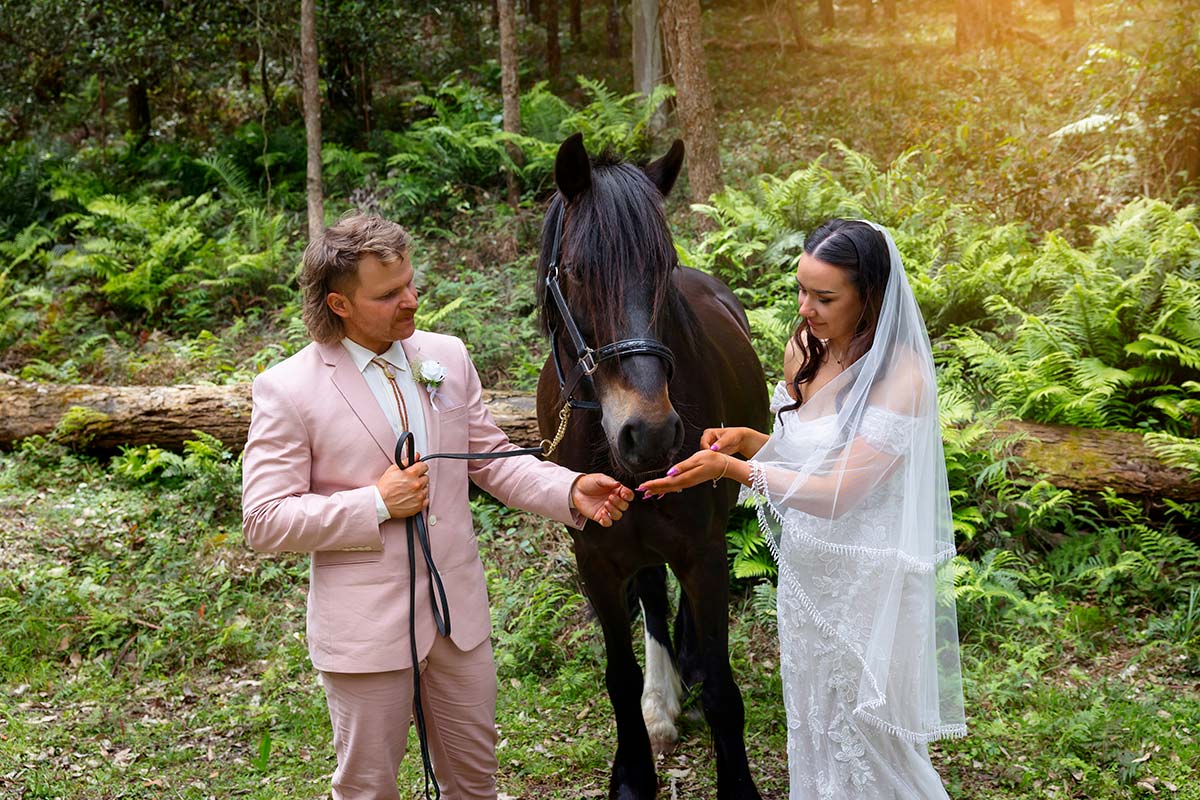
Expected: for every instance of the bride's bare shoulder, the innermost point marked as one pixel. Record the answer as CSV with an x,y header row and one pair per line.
x,y
905,386
793,358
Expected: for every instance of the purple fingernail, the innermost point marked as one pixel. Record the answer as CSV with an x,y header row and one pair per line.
x,y
672,472
715,447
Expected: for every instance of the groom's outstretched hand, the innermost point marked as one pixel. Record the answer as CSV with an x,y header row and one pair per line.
x,y
600,498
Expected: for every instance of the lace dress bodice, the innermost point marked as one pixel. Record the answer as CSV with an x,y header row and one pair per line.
x,y
868,524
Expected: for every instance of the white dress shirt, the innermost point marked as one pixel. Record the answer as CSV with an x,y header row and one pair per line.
x,y
382,390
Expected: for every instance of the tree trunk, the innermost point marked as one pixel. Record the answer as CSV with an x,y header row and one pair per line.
x,y
1081,459
553,53
614,28
167,416
826,7
510,89
365,100
576,21
868,11
648,57
137,96
794,24
1090,460
1066,13
693,99
981,22
889,10
312,117
535,11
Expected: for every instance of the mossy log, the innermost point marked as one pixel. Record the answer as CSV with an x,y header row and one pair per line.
x,y
102,418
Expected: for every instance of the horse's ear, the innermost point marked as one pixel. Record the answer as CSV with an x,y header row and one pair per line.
x,y
664,171
572,168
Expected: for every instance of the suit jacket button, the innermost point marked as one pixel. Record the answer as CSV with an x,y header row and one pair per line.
x,y
432,520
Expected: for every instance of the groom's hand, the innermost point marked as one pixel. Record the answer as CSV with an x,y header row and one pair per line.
x,y
600,498
405,491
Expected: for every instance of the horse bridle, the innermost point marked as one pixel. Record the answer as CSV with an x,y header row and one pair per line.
x,y
587,359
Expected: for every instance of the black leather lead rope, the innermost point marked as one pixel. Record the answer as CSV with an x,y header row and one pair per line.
x,y
418,533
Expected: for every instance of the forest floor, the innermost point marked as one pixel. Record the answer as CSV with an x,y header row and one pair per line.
x,y
148,653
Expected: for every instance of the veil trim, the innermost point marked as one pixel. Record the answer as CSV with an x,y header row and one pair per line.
x,y
862,711
878,555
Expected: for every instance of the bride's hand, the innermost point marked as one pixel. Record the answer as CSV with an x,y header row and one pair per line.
x,y
723,440
736,441
704,465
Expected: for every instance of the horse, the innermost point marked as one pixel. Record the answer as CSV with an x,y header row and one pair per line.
x,y
676,358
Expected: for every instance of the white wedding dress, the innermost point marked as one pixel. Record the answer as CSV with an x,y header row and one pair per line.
x,y
852,498
831,753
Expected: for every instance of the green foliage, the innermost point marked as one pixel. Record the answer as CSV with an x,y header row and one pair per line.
x,y
749,555
456,152
1118,343
205,473
1104,336
156,584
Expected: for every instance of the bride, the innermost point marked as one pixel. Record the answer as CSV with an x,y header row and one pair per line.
x,y
851,494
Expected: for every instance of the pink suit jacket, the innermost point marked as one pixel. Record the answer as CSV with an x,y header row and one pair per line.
x,y
318,442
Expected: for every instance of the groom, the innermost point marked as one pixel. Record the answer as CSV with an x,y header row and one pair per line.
x,y
318,477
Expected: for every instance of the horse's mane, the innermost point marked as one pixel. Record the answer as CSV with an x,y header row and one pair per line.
x,y
615,235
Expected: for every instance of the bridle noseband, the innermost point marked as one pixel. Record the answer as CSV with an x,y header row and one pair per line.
x,y
587,359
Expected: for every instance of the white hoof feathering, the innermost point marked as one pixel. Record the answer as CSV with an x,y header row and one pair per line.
x,y
660,697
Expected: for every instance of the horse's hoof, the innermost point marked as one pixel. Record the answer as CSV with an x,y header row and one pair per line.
x,y
659,713
663,737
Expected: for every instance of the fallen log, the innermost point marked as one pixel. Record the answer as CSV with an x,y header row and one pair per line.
x,y
104,418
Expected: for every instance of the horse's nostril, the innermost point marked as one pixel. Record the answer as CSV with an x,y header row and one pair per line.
x,y
627,440
643,444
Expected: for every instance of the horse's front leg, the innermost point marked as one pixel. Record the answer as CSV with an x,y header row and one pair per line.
x,y
706,583
633,776
662,690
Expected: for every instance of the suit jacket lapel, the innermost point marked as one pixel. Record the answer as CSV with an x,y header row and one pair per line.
x,y
433,429
353,388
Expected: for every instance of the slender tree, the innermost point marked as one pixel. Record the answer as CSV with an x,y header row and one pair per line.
x,y
1066,13
984,22
613,28
553,51
576,20
826,7
693,98
889,10
794,24
647,56
312,116
510,89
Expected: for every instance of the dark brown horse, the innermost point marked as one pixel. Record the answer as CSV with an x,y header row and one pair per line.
x,y
680,361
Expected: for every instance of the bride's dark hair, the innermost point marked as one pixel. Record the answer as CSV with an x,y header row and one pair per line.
x,y
862,251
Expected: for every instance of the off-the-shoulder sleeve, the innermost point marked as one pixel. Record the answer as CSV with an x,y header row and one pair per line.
x,y
887,431
780,397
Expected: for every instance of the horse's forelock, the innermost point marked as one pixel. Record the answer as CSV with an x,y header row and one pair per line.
x,y
615,237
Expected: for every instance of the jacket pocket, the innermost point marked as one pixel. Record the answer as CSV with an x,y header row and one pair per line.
x,y
337,558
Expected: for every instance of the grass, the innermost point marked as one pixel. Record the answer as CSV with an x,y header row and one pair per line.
x,y
146,652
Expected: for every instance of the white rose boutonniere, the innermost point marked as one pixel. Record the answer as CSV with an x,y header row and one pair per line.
x,y
430,374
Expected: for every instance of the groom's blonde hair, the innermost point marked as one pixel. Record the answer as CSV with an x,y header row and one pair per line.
x,y
331,265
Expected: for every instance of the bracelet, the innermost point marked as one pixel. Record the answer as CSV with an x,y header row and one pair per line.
x,y
723,471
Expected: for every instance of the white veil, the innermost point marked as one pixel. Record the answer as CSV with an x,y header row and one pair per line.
x,y
856,511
